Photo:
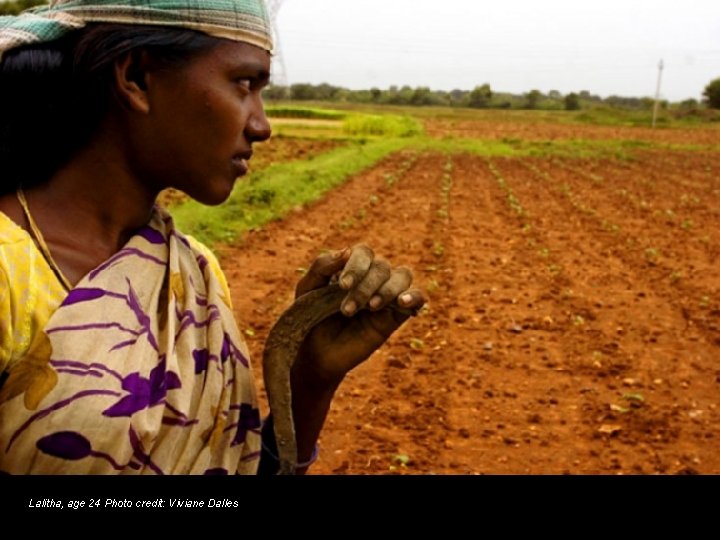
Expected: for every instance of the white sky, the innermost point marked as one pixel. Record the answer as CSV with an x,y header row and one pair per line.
x,y
603,46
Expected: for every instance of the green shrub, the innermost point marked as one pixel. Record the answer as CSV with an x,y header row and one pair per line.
x,y
382,125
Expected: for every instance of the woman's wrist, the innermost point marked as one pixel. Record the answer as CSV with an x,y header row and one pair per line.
x,y
269,458
306,375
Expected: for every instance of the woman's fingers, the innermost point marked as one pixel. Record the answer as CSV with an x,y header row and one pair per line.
x,y
358,265
322,270
370,281
399,281
377,275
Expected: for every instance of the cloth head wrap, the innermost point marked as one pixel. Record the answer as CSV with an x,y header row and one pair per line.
x,y
237,20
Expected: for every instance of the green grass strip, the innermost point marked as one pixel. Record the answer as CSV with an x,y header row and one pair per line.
x,y
303,113
570,148
273,192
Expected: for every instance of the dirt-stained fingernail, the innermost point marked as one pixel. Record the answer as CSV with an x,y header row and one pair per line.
x,y
347,281
349,307
406,299
375,302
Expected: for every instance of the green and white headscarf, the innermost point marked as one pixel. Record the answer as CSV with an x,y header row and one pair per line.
x,y
237,20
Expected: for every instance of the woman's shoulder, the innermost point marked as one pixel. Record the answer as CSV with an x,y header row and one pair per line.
x,y
208,254
11,233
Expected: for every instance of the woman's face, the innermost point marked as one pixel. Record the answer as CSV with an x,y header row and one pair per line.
x,y
202,121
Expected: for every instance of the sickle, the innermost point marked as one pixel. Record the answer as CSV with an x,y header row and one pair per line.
x,y
280,352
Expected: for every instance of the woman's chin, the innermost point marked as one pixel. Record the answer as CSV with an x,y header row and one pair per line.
x,y
215,196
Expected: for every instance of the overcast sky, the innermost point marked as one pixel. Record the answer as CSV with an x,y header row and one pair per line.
x,y
603,46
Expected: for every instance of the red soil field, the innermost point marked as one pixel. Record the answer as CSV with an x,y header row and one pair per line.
x,y
573,325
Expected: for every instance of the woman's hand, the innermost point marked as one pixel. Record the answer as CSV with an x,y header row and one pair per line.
x,y
345,340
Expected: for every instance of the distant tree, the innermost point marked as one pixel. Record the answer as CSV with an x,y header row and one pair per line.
x,y
275,93
712,94
648,103
422,96
572,102
554,94
533,99
376,94
587,96
302,91
339,94
480,97
403,96
457,96
689,104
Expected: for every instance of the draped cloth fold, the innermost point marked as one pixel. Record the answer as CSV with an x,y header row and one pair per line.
x,y
237,20
141,370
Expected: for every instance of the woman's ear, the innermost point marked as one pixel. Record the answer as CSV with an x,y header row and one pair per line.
x,y
131,73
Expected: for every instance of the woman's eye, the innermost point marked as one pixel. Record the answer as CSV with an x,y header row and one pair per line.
x,y
245,84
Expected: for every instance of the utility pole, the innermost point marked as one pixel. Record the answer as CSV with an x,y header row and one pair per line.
x,y
661,66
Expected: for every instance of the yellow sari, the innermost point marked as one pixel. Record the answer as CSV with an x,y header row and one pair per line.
x,y
140,370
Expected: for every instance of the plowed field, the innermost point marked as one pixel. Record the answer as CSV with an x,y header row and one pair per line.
x,y
573,323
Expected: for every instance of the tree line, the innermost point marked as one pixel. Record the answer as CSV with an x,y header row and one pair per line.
x,y
481,97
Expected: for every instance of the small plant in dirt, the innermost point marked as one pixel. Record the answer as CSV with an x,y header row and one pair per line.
x,y
705,302
399,461
610,227
417,344
438,249
689,200
652,255
619,409
669,216
635,399
432,286
347,223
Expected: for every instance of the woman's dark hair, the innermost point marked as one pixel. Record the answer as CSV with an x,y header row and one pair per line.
x,y
53,96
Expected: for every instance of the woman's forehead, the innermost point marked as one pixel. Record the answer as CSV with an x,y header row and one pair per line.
x,y
233,53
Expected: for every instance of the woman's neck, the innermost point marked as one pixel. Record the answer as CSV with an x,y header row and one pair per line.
x,y
90,208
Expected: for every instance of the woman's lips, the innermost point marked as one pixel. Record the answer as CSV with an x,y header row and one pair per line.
x,y
241,165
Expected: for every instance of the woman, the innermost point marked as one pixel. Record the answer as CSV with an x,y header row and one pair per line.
x,y
118,348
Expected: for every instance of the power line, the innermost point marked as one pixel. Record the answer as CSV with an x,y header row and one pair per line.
x,y
279,70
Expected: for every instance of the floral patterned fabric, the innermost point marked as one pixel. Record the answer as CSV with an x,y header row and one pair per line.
x,y
140,370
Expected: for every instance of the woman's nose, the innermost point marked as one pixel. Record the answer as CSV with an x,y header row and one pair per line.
x,y
258,127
